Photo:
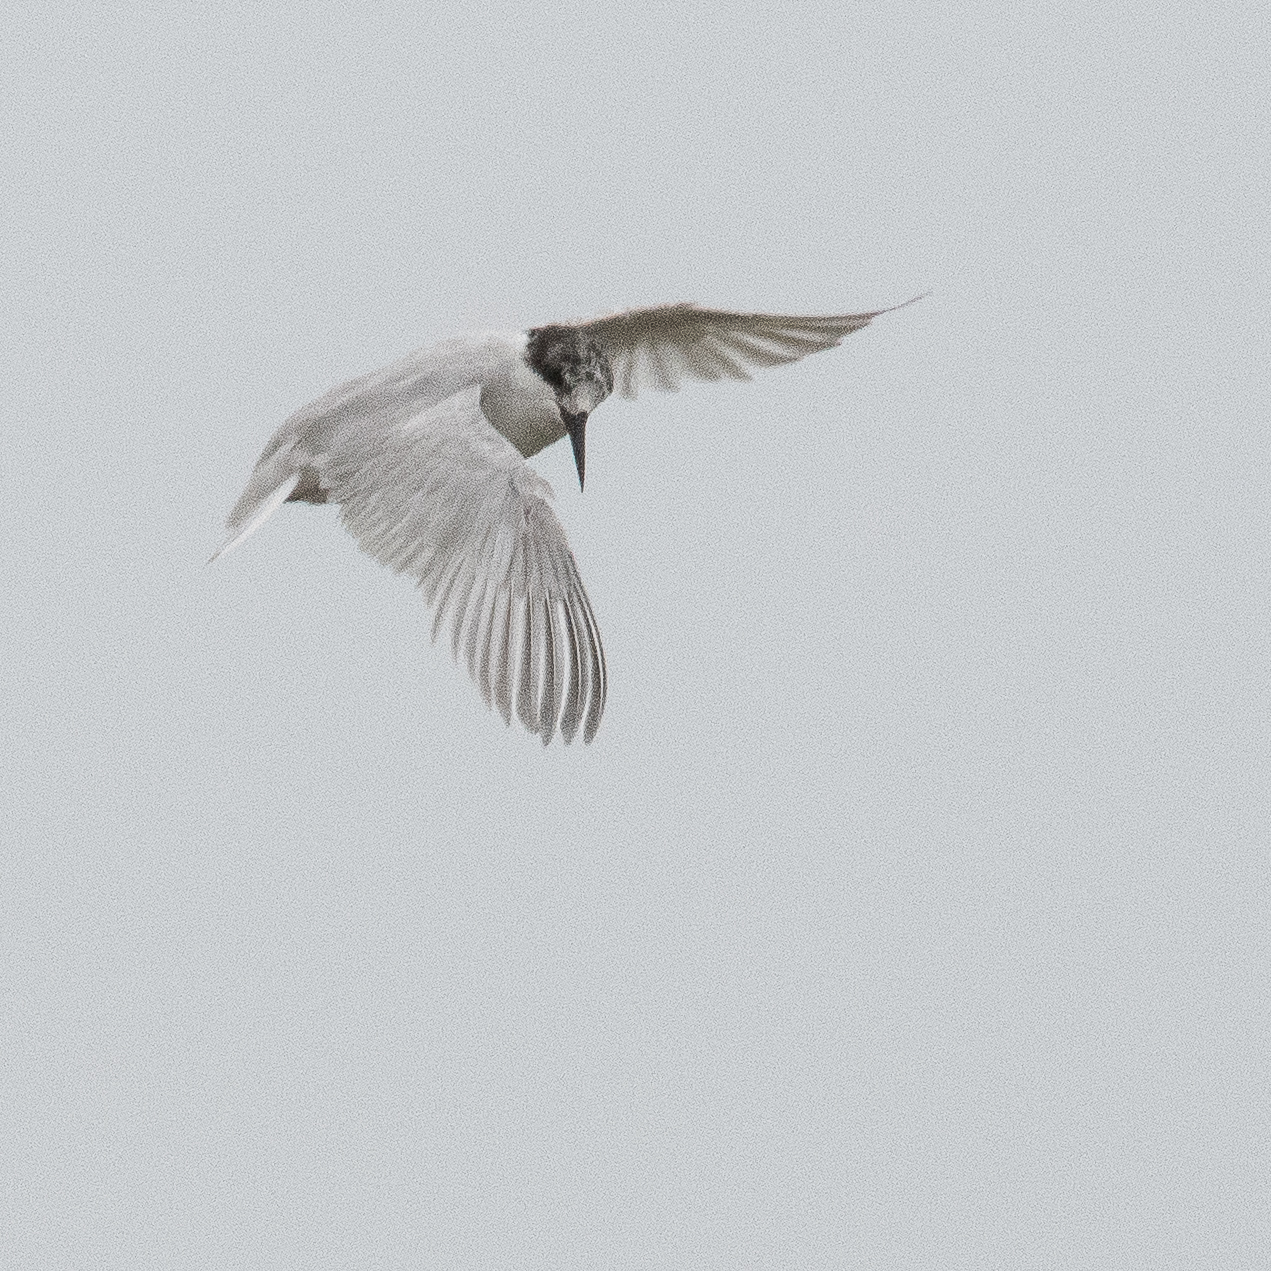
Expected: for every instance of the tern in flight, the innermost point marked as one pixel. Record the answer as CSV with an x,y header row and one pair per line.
x,y
426,459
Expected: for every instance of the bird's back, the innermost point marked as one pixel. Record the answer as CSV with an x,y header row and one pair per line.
x,y
355,412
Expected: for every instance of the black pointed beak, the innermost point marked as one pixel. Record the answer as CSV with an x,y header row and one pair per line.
x,y
576,426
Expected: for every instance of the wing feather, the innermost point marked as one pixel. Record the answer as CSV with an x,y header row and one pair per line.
x,y
462,615
552,685
503,663
446,499
596,665
478,632
525,711
571,712
661,346
439,595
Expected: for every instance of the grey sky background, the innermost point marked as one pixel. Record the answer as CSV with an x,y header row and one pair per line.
x,y
910,909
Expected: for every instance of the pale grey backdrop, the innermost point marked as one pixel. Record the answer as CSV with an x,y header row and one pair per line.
x,y
911,909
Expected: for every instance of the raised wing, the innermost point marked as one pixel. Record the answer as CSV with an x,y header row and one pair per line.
x,y
659,347
445,498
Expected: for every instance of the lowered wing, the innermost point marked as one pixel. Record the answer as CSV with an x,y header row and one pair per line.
x,y
445,498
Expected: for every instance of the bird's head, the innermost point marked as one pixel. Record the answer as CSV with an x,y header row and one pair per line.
x,y
574,366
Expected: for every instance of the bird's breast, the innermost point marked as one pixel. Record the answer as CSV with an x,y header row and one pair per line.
x,y
523,408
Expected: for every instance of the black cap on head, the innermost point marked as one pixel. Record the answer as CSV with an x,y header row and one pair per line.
x,y
574,365
568,358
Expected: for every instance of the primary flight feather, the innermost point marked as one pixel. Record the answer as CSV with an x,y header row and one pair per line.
x,y
426,460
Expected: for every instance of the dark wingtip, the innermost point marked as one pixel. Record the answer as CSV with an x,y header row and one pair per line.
x,y
904,304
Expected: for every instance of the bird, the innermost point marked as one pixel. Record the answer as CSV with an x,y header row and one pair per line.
x,y
426,460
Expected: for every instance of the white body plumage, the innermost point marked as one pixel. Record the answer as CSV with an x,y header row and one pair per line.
x,y
426,458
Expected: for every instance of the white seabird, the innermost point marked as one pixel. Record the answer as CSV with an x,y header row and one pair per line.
x,y
426,459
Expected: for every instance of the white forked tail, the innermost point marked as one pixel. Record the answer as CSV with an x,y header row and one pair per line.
x,y
267,507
